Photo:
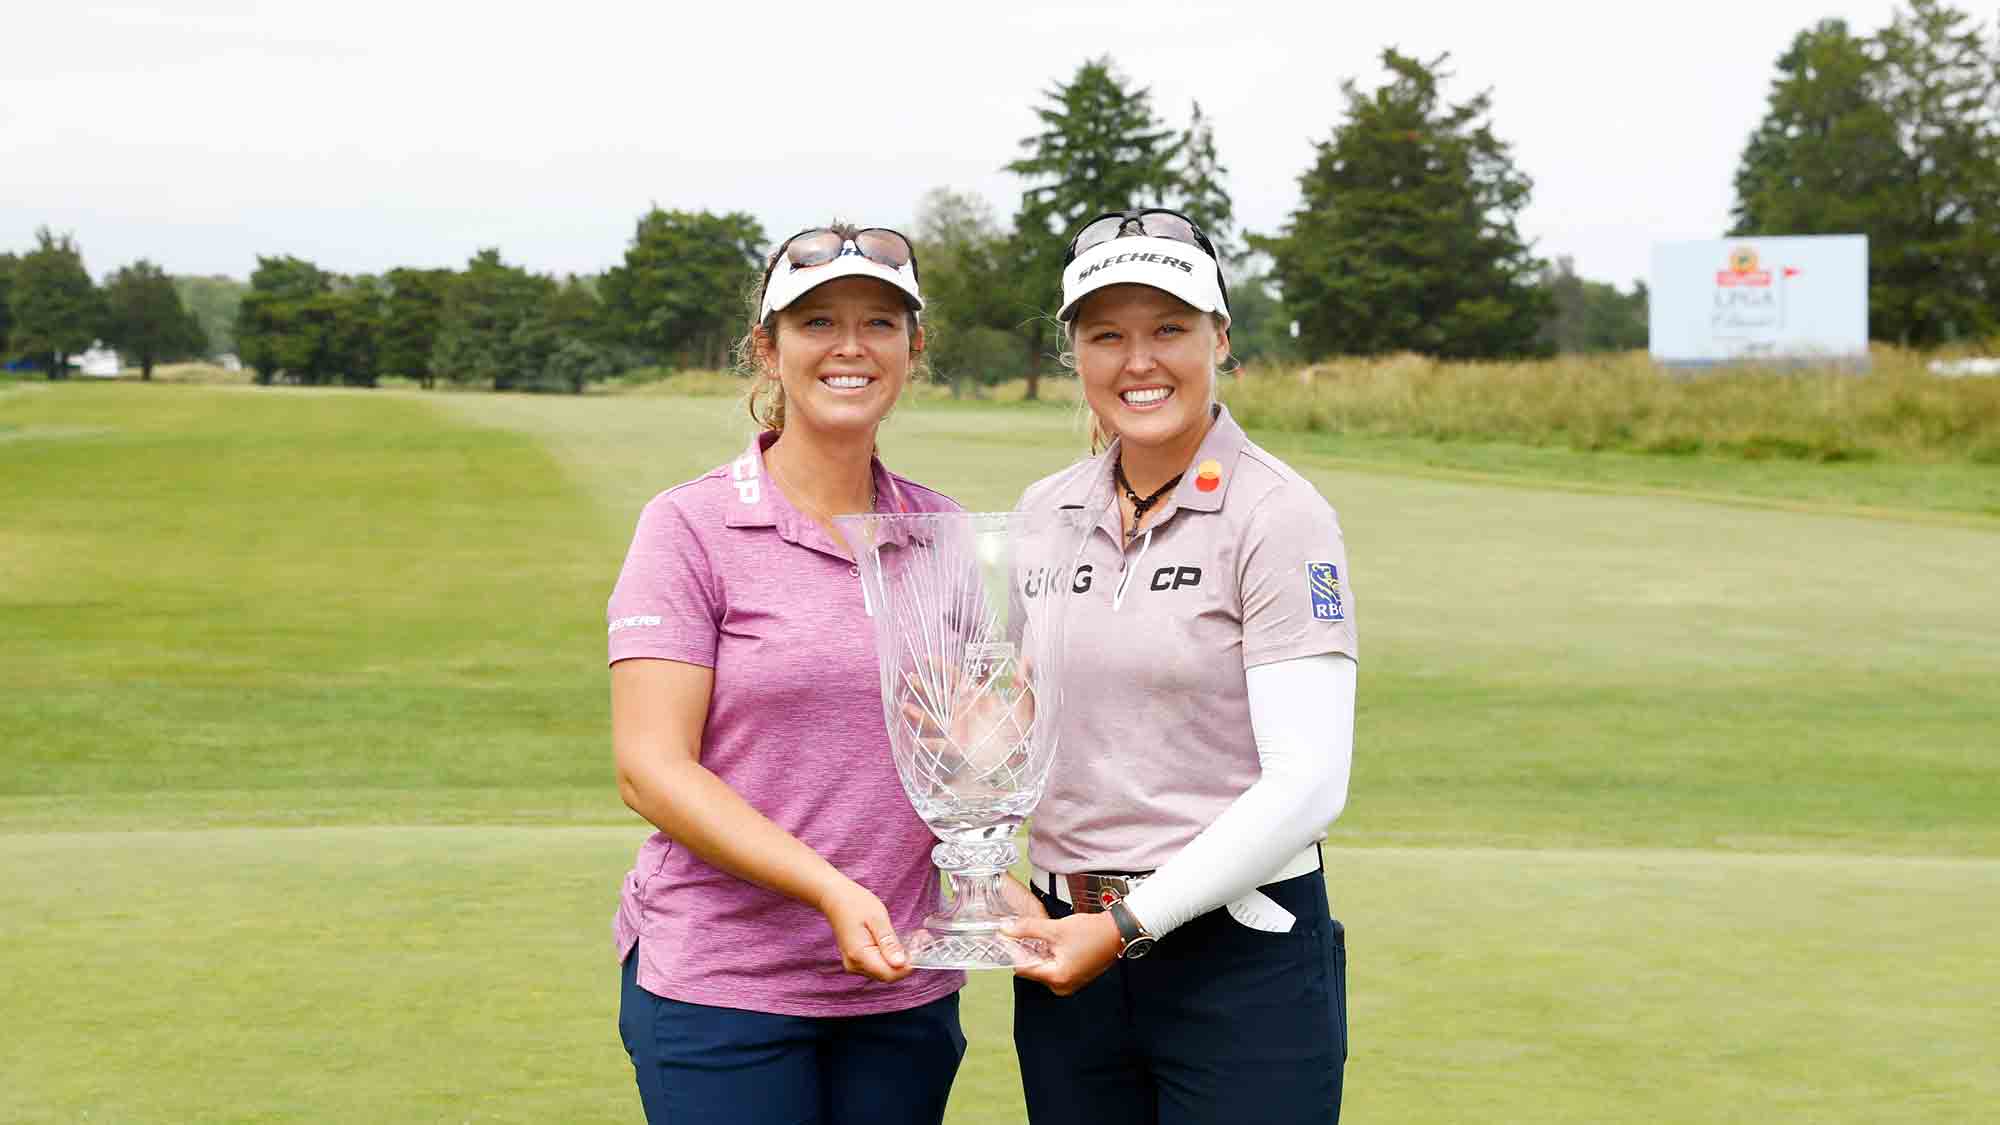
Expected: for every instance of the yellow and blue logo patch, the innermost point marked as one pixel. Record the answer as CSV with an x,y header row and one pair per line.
x,y
1323,583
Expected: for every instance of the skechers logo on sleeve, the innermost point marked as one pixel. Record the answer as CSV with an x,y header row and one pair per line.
x,y
1163,259
633,623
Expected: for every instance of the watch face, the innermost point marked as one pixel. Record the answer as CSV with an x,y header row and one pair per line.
x,y
1137,947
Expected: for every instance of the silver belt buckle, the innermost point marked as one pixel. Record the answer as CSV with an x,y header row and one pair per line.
x,y
1094,894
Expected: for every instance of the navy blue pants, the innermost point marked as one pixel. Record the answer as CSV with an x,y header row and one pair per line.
x,y
699,1065
1219,1023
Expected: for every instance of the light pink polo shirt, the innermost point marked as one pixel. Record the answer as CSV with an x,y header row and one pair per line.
x,y
1245,566
725,573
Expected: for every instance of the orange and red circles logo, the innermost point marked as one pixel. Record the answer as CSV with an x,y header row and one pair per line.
x,y
1208,476
1743,270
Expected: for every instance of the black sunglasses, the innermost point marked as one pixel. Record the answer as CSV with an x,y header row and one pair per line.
x,y
816,246
1158,222
1155,221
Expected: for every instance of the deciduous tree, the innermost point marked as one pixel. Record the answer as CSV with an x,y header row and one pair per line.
x,y
679,294
57,309
563,345
1591,316
213,300
1941,83
1259,325
351,344
968,311
487,333
144,317
8,263
278,325
1895,136
411,319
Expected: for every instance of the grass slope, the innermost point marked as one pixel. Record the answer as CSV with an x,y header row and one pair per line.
x,y
256,599
1550,665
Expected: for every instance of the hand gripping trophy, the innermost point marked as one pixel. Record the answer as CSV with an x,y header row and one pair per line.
x,y
969,610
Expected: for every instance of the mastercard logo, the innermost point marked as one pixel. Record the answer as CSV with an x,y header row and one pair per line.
x,y
1208,476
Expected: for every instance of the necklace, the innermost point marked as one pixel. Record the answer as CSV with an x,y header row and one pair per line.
x,y
1141,505
818,513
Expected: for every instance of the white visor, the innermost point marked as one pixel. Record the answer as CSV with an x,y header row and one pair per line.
x,y
1163,263
789,282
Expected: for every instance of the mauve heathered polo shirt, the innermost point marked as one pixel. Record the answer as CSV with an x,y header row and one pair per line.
x,y
1245,566
725,573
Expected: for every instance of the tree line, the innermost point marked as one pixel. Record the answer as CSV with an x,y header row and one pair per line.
x,y
1405,238
51,309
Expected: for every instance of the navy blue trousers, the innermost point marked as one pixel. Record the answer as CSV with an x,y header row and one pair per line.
x,y
698,1065
1219,1023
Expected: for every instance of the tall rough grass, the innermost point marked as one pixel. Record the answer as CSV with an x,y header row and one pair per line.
x,y
1623,402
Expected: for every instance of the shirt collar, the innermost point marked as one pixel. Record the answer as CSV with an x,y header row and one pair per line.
x,y
1206,481
1203,487
758,502
761,503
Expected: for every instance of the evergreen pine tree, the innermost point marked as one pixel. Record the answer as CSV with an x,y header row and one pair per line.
x,y
1200,194
1405,236
1895,136
1100,148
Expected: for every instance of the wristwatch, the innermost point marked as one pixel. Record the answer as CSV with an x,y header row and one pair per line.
x,y
1133,940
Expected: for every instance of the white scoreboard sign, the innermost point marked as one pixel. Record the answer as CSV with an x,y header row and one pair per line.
x,y
1746,299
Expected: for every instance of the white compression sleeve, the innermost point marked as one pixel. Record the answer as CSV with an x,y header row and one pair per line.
x,y
1302,715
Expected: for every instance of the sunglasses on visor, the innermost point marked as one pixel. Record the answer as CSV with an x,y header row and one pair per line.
x,y
1157,222
816,246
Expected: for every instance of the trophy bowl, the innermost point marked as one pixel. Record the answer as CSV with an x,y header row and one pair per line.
x,y
968,610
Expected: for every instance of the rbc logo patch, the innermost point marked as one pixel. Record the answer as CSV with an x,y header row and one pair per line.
x,y
1323,582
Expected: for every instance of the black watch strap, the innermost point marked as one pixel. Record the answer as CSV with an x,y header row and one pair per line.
x,y
1133,940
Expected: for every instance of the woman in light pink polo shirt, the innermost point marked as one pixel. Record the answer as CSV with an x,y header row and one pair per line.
x,y
1198,974
757,930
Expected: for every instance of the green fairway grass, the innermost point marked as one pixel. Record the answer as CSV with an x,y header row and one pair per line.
x,y
1543,665
1675,793
250,600
464,974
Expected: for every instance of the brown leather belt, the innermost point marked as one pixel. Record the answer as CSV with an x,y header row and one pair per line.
x,y
1086,892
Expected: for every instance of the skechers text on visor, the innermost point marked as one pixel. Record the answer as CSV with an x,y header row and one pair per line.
x,y
1166,264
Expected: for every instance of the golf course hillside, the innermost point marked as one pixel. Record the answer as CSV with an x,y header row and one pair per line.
x,y
1676,789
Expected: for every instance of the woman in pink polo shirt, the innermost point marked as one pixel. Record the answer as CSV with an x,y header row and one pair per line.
x,y
757,930
1197,975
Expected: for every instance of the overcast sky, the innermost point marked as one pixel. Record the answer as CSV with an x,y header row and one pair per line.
x,y
365,135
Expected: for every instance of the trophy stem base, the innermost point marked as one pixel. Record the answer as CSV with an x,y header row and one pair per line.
x,y
966,933
931,949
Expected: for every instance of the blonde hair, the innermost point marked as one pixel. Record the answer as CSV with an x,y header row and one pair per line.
x,y
765,400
